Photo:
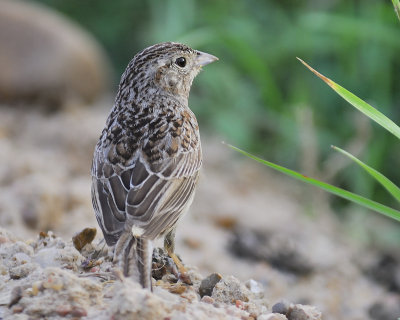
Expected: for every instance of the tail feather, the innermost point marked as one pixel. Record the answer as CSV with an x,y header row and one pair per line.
x,y
134,257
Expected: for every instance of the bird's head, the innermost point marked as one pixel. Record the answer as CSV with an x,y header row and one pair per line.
x,y
167,67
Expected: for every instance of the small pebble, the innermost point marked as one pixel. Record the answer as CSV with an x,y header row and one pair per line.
x,y
230,289
83,237
239,304
171,278
64,310
255,288
208,284
21,271
281,307
16,295
35,287
55,284
304,312
17,309
95,269
177,289
43,235
78,312
226,222
297,311
207,299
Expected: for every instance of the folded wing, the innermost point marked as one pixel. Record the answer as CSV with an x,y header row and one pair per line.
x,y
151,196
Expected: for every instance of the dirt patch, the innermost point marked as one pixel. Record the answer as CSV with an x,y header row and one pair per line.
x,y
45,185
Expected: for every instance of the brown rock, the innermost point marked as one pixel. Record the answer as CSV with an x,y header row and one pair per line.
x,y
83,237
46,58
177,288
78,312
226,222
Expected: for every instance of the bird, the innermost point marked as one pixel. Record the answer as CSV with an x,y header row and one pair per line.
x,y
146,163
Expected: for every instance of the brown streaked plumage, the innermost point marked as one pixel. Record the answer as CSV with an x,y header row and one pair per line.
x,y
146,163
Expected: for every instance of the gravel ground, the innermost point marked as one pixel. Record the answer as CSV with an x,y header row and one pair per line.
x,y
246,241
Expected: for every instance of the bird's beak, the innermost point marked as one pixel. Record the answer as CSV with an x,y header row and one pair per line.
x,y
204,58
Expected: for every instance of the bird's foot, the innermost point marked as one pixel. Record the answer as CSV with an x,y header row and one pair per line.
x,y
183,273
167,266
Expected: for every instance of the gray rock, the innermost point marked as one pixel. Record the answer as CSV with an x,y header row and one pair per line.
x,y
230,289
386,309
281,307
15,296
10,249
55,292
304,312
208,284
297,311
22,270
132,302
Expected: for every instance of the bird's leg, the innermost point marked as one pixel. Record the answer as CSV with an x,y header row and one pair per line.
x,y
119,249
132,255
144,251
169,246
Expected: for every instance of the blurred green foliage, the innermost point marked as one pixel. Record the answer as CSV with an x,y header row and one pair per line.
x,y
251,96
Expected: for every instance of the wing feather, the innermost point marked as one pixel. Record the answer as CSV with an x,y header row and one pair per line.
x,y
173,205
151,196
107,215
118,191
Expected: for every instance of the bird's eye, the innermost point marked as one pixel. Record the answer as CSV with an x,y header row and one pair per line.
x,y
181,62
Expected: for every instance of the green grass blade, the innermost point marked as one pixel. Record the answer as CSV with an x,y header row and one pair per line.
x,y
385,182
396,4
380,208
359,104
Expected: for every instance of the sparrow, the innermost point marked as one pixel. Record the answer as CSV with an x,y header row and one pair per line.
x,y
146,163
